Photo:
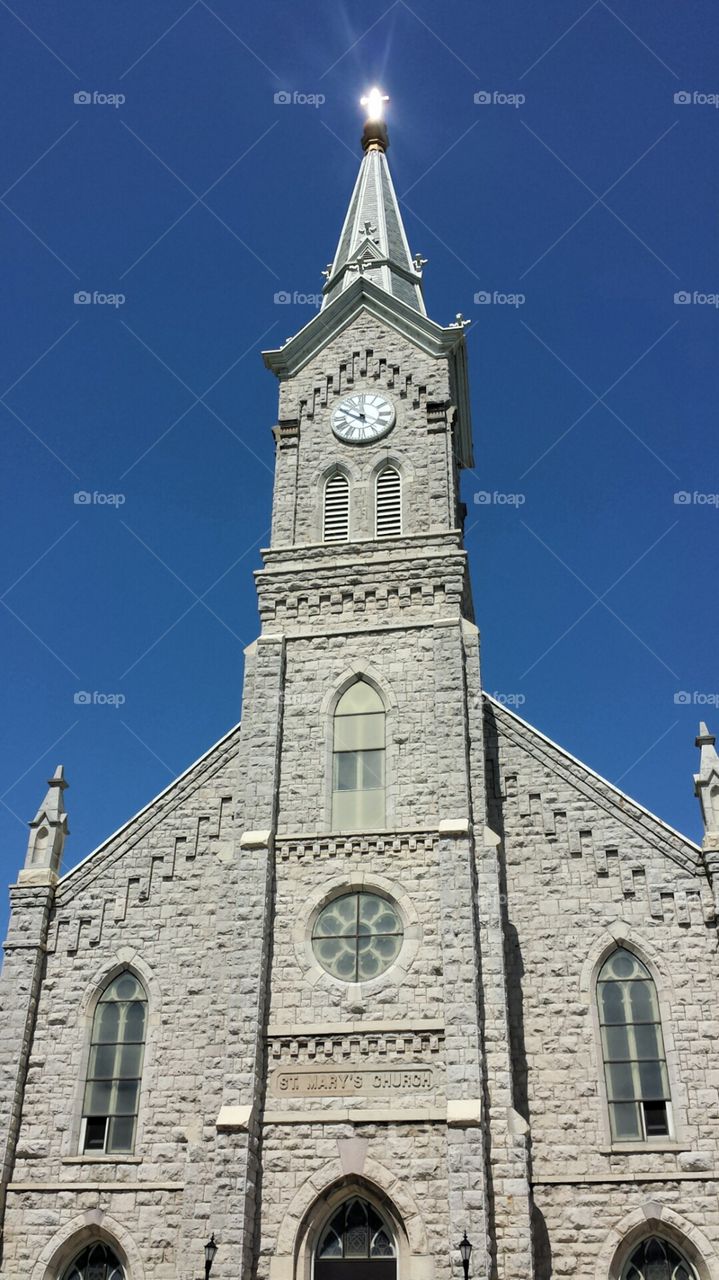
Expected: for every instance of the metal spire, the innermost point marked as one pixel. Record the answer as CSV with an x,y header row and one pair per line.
x,y
373,242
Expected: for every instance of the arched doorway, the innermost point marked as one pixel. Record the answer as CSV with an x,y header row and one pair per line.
x,y
356,1244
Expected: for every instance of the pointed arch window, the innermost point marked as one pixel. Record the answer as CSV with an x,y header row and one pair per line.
x,y
635,1067
657,1259
358,760
114,1073
388,503
336,509
97,1262
355,1238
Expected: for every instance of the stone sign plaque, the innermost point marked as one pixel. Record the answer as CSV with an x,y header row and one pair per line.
x,y
348,1082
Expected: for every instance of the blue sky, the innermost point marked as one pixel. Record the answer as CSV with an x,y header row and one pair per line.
x,y
582,188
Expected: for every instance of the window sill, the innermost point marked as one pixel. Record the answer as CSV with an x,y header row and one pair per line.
x,y
89,1158
639,1148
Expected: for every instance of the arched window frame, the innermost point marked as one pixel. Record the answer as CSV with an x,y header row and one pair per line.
x,y
621,935
114,1266
308,1215
368,1210
359,759
388,465
91,1127
688,1270
622,1238
364,671
125,959
74,1235
317,483
332,477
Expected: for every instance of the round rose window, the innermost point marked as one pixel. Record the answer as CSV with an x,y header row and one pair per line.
x,y
358,936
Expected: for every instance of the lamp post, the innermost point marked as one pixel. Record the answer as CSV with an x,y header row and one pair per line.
x,y
210,1251
465,1253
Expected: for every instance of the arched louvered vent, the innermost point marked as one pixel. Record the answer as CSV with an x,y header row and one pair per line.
x,y
336,524
389,503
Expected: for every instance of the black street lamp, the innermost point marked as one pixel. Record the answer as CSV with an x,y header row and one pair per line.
x,y
210,1251
465,1252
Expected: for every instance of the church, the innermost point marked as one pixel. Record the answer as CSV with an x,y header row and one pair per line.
x,y
387,985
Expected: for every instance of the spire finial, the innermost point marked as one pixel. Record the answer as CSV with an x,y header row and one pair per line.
x,y
374,136
706,786
48,830
374,102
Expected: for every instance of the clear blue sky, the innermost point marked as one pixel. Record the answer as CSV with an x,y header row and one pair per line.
x,y
198,198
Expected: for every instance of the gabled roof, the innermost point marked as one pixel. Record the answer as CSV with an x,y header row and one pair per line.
x,y
623,808
155,811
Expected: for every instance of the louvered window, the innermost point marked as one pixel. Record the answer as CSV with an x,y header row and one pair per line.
x,y
336,523
389,503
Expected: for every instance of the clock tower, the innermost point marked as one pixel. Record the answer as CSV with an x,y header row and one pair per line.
x,y
362,749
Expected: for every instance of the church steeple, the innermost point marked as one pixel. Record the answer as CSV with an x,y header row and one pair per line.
x,y
374,287
373,240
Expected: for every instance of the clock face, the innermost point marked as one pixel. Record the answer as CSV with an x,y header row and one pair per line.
x,y
363,417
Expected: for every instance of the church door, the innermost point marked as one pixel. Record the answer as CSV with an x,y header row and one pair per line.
x,y
356,1245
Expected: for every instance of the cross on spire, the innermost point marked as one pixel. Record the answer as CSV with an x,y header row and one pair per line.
x,y
374,102
368,231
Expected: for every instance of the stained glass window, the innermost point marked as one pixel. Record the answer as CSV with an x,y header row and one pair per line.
x,y
356,1231
112,1090
97,1262
358,936
657,1259
633,1049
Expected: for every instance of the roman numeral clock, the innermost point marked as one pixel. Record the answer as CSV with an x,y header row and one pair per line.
x,y
363,418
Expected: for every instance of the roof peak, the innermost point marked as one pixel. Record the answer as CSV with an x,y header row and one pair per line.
x,y
373,240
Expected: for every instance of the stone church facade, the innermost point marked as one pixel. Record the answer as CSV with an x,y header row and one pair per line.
x,y
385,966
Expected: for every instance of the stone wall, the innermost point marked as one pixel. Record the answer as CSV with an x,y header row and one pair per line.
x,y
160,897
419,671
366,356
584,870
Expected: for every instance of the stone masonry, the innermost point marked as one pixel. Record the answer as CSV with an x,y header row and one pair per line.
x,y
463,1088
